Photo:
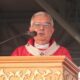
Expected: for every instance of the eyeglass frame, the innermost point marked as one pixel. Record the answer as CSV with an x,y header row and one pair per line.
x,y
38,24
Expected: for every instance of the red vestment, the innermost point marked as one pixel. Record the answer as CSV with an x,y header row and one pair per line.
x,y
22,51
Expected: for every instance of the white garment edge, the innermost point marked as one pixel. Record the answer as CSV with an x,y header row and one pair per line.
x,y
36,52
44,46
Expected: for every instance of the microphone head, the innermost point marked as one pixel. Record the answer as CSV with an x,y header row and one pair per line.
x,y
32,34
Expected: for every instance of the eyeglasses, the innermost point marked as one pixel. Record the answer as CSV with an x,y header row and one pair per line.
x,y
37,24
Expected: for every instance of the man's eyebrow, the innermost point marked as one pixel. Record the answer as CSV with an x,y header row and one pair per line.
x,y
43,22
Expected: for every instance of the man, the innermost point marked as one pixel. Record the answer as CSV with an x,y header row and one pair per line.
x,y
41,44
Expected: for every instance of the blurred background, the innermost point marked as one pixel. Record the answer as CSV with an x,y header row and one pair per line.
x,y
15,16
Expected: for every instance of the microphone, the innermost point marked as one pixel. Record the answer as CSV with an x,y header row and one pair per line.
x,y
28,33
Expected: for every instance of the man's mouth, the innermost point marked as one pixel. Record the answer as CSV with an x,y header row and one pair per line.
x,y
41,33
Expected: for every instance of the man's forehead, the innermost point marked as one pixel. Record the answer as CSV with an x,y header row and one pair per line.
x,y
41,16
41,19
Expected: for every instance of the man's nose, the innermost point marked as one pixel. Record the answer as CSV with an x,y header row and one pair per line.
x,y
41,27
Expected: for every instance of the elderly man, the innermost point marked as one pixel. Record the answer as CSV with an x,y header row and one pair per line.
x,y
42,44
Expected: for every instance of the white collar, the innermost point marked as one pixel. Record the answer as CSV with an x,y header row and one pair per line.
x,y
36,52
45,46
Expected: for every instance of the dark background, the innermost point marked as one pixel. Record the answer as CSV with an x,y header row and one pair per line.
x,y
15,16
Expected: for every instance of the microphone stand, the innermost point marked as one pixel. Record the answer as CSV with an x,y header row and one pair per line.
x,y
30,34
12,38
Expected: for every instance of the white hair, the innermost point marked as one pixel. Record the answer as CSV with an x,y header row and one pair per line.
x,y
42,13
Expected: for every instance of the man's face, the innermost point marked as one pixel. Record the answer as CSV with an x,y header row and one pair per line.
x,y
44,29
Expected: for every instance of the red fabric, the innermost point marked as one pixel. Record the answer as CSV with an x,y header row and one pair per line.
x,y
21,51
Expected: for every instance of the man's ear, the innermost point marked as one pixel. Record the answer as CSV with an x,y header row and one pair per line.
x,y
30,28
53,29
